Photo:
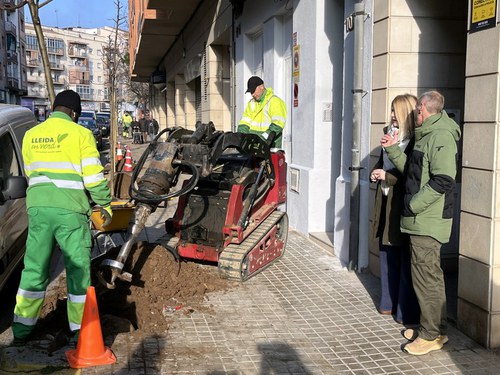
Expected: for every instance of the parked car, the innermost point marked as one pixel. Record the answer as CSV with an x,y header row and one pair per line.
x,y
91,124
106,115
14,122
90,114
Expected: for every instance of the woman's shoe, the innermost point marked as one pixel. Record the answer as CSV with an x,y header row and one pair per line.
x,y
384,312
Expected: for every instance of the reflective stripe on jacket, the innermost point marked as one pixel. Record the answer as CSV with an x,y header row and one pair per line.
x,y
62,163
259,115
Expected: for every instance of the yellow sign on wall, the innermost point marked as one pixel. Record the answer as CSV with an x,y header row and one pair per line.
x,y
296,63
483,14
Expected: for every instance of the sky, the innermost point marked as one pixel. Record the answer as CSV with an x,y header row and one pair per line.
x,y
82,13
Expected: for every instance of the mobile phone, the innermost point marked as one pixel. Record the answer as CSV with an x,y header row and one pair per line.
x,y
392,131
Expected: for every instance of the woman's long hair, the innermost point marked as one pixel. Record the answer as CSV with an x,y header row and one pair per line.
x,y
404,108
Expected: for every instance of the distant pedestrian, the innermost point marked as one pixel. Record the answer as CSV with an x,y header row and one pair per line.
x,y
126,123
153,128
136,132
143,124
427,214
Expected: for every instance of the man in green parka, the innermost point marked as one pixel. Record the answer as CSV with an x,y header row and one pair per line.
x,y
427,214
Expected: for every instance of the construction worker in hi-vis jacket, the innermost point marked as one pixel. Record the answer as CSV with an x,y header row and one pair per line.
x,y
64,169
265,112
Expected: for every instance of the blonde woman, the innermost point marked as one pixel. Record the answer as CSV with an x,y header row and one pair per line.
x,y
397,294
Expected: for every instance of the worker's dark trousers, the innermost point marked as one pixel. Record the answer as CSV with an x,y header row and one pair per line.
x,y
428,282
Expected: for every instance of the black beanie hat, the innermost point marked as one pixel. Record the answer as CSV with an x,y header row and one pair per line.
x,y
69,99
253,83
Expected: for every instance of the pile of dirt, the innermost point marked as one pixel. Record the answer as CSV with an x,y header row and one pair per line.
x,y
161,288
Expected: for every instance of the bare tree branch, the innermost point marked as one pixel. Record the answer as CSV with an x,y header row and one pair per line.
x,y
44,3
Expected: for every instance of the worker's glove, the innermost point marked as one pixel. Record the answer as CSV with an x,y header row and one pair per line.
x,y
106,215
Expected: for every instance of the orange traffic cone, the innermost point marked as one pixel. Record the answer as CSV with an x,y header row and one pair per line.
x,y
119,154
90,350
128,161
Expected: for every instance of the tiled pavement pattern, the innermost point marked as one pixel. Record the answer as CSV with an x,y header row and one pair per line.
x,y
304,315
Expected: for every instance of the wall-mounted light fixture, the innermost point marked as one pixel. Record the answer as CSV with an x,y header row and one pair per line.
x,y
158,79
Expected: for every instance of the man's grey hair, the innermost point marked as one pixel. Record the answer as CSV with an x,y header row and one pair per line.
x,y
434,101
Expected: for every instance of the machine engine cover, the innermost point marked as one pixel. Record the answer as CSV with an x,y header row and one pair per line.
x,y
204,217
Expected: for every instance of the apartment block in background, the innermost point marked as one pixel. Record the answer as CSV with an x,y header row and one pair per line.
x,y
76,63
13,83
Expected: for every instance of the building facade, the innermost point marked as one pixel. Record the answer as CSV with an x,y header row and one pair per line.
x,y
338,64
13,82
77,62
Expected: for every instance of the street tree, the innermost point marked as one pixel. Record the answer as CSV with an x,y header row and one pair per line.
x,y
117,73
141,92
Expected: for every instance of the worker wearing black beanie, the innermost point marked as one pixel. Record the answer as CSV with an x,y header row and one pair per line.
x,y
69,99
64,170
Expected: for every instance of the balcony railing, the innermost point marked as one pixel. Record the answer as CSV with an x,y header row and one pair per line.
x,y
12,55
40,93
9,3
33,62
56,66
75,52
33,78
31,47
78,68
85,96
10,28
60,81
12,82
78,81
55,50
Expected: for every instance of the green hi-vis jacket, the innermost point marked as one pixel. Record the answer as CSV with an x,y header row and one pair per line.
x,y
62,163
429,171
264,116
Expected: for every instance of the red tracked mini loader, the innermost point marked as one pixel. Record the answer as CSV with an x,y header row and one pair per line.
x,y
230,187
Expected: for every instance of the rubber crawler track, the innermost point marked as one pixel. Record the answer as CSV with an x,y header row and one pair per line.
x,y
232,259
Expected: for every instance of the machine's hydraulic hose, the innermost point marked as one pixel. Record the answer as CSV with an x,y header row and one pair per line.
x,y
152,198
242,222
154,188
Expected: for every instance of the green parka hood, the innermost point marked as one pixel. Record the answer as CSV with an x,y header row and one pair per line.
x,y
437,122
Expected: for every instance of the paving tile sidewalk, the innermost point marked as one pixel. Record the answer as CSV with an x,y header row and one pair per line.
x,y
304,315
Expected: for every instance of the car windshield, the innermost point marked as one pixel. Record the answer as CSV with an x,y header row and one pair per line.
x,y
104,114
102,120
89,123
87,114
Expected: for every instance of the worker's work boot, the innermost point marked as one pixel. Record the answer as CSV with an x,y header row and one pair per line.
x,y
421,346
18,341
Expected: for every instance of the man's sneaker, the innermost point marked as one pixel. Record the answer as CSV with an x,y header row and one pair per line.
x,y
443,339
410,334
421,346
18,341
